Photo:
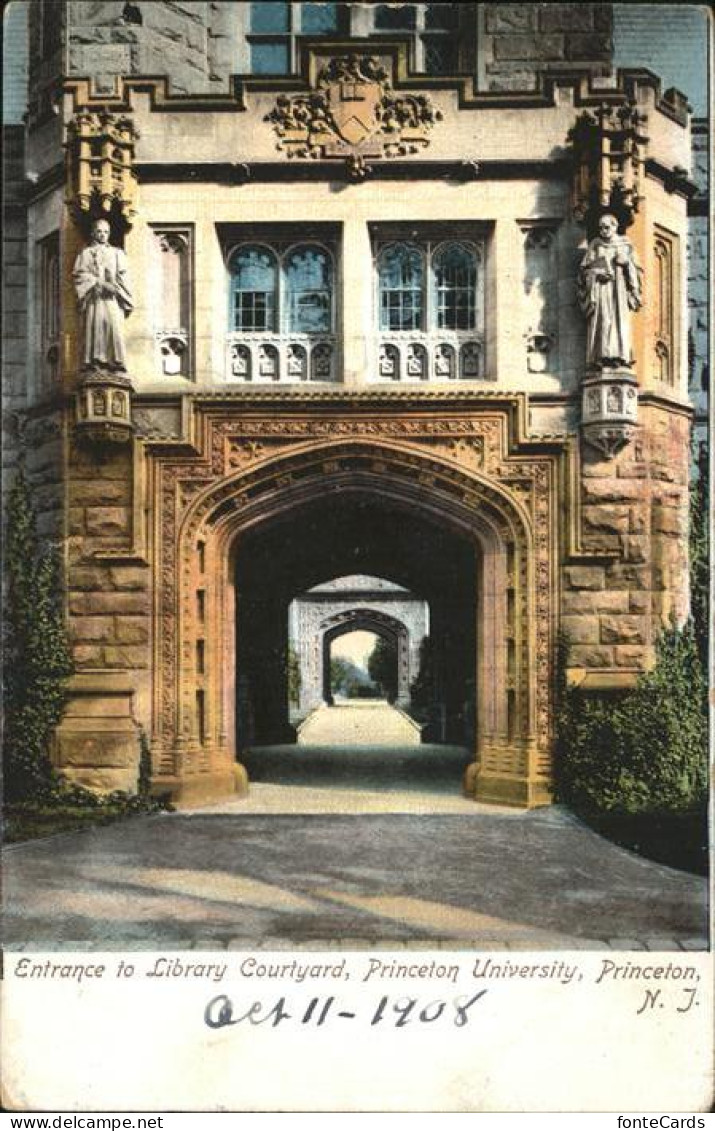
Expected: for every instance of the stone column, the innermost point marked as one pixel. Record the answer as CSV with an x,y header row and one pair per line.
x,y
357,301
503,296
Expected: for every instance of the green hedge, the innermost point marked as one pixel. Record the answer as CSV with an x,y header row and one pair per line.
x,y
640,751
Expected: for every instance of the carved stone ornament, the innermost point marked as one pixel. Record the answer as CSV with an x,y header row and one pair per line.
x,y
104,409
100,167
353,114
609,149
609,410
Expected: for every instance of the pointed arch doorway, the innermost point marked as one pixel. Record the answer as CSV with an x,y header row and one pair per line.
x,y
264,534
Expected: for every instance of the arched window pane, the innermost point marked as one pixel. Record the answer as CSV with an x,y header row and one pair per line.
x,y
401,288
455,282
253,289
308,283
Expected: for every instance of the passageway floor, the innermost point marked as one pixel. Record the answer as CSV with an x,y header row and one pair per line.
x,y
353,860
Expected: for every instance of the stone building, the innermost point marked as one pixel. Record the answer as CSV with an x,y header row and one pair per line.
x,y
356,306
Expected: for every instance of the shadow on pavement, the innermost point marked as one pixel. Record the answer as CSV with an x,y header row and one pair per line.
x,y
427,768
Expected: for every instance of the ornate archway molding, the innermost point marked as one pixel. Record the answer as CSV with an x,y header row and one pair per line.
x,y
463,469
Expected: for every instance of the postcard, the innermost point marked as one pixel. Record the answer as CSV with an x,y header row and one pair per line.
x,y
356,509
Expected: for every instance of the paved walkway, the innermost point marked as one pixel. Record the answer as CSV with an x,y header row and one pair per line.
x,y
347,848
364,722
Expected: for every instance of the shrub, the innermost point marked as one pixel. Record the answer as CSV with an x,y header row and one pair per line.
x,y
382,667
36,655
643,750
422,688
293,676
699,551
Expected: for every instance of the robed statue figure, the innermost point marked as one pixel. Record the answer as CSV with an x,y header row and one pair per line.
x,y
609,288
102,285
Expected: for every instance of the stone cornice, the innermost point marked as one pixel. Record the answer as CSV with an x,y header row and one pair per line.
x,y
544,95
222,172
230,173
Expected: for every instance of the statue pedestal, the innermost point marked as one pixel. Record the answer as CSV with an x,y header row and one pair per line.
x,y
104,407
609,409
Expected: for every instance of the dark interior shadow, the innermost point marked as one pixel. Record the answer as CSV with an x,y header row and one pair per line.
x,y
382,769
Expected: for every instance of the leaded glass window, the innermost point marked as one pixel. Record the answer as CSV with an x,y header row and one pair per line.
x,y
273,26
254,289
271,18
308,286
437,31
395,17
429,286
401,284
454,274
281,290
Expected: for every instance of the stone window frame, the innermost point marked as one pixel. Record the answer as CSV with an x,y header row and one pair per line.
x,y
49,293
429,249
282,354
357,20
666,283
180,239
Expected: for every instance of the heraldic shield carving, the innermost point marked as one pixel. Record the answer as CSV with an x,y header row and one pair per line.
x,y
353,114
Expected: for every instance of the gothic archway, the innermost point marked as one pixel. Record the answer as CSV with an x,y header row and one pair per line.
x,y
195,719
367,620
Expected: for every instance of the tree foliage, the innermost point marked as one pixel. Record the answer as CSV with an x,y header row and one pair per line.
x,y
347,679
293,675
382,667
422,688
36,654
699,548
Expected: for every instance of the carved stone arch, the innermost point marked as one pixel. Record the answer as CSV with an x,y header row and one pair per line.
x,y
509,519
367,620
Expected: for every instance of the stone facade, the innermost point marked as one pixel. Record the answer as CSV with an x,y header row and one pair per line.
x,y
519,41
698,284
453,453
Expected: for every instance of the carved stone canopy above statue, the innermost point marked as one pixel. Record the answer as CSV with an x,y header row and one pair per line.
x,y
101,180
608,147
352,113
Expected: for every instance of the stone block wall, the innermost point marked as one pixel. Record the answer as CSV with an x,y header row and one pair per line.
x,y
191,41
43,446
634,511
197,42
518,40
109,603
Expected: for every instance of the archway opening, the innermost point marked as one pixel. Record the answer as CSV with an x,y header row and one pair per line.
x,y
349,671
342,538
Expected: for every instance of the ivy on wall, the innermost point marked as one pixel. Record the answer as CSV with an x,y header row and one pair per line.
x,y
36,654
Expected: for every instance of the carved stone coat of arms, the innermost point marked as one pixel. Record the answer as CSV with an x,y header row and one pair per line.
x,y
353,113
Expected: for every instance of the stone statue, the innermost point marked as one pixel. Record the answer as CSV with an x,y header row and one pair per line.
x,y
102,286
609,288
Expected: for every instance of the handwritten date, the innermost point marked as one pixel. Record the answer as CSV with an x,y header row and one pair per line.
x,y
399,1012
